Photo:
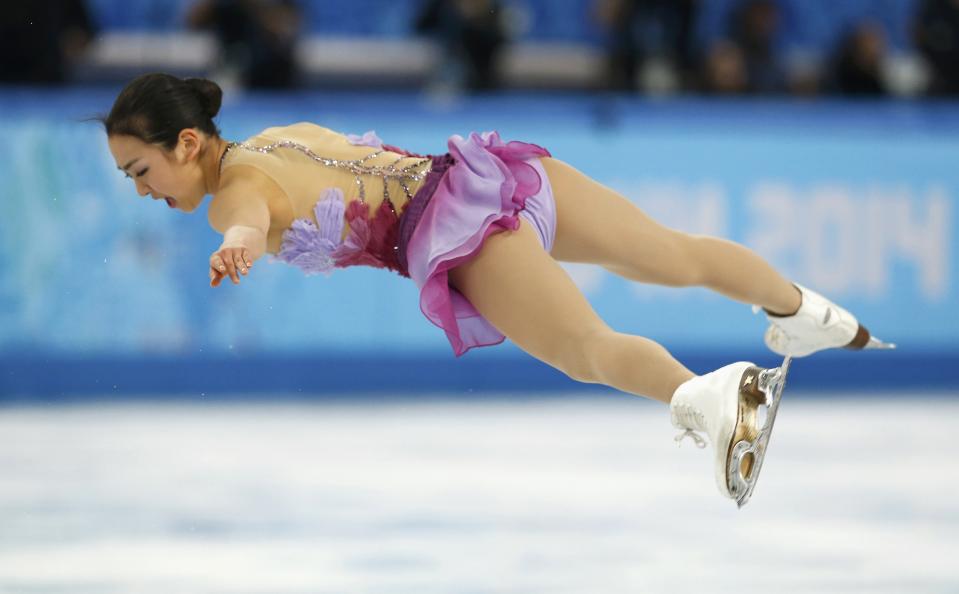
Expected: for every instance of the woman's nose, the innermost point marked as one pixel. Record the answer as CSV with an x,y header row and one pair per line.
x,y
142,188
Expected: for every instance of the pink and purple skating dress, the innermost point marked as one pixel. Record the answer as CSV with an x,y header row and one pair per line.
x,y
481,186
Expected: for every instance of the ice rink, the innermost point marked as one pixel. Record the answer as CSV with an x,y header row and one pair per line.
x,y
579,494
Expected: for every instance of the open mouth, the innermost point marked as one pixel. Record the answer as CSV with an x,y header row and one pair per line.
x,y
170,202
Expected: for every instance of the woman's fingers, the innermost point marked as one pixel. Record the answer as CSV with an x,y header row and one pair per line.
x,y
231,270
223,266
216,263
217,270
246,262
240,263
215,278
230,262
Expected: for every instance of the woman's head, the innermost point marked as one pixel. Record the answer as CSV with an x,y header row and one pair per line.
x,y
161,133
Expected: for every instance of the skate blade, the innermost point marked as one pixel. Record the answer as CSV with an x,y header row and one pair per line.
x,y
875,343
865,340
741,486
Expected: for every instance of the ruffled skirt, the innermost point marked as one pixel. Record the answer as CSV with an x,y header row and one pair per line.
x,y
488,186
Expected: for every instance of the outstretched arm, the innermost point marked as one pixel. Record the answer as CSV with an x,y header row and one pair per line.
x,y
242,215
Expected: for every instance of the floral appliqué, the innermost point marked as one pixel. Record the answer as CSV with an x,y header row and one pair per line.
x,y
369,138
320,247
310,246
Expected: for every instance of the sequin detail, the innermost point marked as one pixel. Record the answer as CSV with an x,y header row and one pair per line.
x,y
358,167
372,239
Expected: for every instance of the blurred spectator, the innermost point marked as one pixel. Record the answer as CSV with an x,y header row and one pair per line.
x,y
724,70
754,29
257,37
641,31
857,67
40,40
746,60
937,36
472,33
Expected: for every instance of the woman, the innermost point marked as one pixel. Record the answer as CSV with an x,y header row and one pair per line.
x,y
480,230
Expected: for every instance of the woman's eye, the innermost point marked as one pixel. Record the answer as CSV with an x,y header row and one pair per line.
x,y
142,173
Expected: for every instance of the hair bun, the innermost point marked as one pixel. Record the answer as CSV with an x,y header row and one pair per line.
x,y
209,94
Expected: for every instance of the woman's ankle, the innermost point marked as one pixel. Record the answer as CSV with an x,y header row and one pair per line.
x,y
785,310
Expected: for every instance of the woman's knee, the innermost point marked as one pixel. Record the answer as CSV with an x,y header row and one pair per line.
x,y
682,264
700,257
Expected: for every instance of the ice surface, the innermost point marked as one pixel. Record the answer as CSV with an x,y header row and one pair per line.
x,y
570,495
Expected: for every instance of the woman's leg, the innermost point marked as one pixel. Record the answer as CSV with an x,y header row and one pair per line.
x,y
528,297
598,225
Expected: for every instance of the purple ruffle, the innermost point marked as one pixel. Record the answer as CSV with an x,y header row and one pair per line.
x,y
481,194
415,208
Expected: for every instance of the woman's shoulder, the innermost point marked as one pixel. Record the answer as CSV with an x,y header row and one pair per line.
x,y
242,173
241,189
300,131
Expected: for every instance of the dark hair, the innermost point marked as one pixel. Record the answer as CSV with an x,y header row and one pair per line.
x,y
156,107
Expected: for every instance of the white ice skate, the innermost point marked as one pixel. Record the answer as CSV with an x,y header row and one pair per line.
x,y
819,324
725,405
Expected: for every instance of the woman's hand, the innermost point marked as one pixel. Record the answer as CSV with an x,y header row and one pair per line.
x,y
229,261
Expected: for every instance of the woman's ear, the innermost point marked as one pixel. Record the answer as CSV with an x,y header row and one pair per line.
x,y
188,145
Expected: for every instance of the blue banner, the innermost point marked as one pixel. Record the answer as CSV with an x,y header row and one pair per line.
x,y
857,201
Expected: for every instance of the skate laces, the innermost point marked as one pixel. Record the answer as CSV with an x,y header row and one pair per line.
x,y
700,442
687,417
777,336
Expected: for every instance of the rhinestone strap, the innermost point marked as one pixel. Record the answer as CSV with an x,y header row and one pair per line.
x,y
357,167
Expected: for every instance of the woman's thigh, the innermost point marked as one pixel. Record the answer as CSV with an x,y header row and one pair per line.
x,y
597,225
515,284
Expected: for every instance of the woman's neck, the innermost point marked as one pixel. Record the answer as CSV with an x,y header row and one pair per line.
x,y
210,163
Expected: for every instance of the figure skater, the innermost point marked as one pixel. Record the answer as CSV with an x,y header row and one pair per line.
x,y
481,231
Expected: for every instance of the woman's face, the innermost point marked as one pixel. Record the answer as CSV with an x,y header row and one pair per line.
x,y
172,176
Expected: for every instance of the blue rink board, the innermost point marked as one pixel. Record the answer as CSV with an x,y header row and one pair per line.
x,y
388,376
99,288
